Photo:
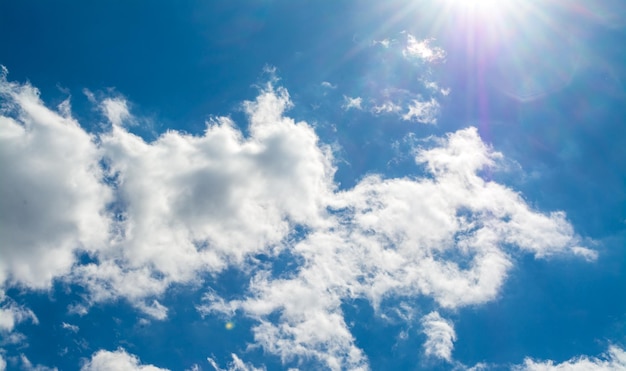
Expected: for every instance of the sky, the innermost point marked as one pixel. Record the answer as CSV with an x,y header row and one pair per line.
x,y
313,185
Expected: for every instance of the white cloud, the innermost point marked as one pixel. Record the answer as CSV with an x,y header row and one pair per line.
x,y
352,103
52,195
186,205
423,50
3,363
183,204
386,107
235,365
104,360
12,314
70,327
446,237
424,112
28,366
587,254
436,88
216,304
328,85
155,310
440,336
116,110
218,198
13,338
402,81
613,360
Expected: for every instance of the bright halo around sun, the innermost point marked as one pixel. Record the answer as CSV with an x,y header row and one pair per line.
x,y
490,10
493,20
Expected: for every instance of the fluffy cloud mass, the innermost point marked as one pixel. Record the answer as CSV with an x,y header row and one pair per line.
x,y
151,214
447,237
218,197
104,360
53,198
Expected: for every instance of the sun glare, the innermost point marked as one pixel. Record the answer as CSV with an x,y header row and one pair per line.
x,y
481,7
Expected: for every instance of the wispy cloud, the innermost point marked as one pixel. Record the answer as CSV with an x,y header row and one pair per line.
x,y
70,327
235,365
424,112
27,365
385,43
12,314
423,50
115,110
613,359
352,103
386,107
440,336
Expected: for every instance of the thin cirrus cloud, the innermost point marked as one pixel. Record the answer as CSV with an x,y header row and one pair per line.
x,y
352,103
153,214
401,79
613,359
235,365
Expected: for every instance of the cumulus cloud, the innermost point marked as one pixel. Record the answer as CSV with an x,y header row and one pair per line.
x,y
104,360
52,194
3,363
155,213
447,237
217,198
152,214
613,359
440,336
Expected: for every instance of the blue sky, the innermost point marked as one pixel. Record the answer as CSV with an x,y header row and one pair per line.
x,y
274,185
